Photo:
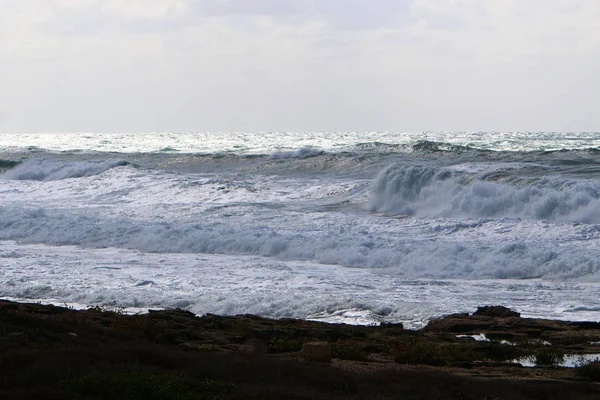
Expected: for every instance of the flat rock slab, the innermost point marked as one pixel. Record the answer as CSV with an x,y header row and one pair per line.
x,y
317,351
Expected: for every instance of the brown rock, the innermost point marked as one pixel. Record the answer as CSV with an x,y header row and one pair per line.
x,y
496,311
317,351
254,346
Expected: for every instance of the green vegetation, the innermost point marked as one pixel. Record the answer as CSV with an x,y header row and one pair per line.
x,y
589,370
145,386
421,351
347,351
280,345
548,355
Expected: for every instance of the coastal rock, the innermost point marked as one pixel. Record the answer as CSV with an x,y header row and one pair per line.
x,y
254,346
39,353
460,324
317,351
496,312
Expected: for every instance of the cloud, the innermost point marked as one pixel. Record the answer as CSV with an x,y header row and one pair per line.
x,y
346,14
509,26
299,64
254,8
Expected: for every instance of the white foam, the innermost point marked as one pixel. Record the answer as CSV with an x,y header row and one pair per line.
x,y
270,142
568,361
399,247
443,192
51,169
301,236
480,337
287,219
227,285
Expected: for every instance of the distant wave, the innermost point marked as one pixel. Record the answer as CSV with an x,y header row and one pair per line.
x,y
427,146
418,148
359,148
50,169
303,152
426,191
582,309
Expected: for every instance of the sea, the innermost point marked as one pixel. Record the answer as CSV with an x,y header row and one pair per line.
x,y
341,227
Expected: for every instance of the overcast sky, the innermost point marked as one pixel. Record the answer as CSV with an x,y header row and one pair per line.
x,y
299,65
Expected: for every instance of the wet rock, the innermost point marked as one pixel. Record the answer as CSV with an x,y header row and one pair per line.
x,y
457,324
586,325
392,326
497,364
510,336
496,312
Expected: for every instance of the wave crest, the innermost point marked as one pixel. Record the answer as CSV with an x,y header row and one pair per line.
x,y
8,164
50,169
425,191
487,254
428,146
303,152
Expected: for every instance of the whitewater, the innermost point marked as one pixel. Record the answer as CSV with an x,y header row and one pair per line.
x,y
354,227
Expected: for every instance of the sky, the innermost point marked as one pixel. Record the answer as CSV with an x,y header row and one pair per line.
x,y
299,65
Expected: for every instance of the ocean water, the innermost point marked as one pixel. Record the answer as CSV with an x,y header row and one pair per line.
x,y
355,227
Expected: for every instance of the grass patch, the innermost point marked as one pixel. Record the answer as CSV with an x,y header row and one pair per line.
x,y
347,351
421,351
145,386
280,345
108,309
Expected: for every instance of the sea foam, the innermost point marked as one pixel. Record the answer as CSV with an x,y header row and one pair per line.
x,y
52,169
425,191
483,249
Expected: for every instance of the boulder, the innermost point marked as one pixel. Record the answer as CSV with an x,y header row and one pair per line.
x,y
317,351
254,346
496,311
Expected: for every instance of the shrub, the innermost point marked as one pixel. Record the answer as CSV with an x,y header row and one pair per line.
x,y
420,351
548,355
279,345
589,370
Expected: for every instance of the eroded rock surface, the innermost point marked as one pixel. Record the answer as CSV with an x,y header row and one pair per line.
x,y
45,351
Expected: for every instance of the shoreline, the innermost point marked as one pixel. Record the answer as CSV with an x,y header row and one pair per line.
x,y
56,352
414,325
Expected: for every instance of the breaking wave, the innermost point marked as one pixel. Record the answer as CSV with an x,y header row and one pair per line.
x,y
428,146
347,245
425,191
7,164
303,152
51,169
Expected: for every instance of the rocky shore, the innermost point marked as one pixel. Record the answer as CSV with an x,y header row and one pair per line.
x,y
49,352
